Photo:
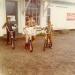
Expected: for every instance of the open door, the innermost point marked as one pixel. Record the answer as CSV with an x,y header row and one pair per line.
x,y
12,11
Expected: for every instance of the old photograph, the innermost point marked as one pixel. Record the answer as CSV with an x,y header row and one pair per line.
x,y
37,37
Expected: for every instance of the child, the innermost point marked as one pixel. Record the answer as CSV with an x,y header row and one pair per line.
x,y
8,25
48,36
30,31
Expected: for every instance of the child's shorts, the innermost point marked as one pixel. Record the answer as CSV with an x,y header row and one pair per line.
x,y
30,31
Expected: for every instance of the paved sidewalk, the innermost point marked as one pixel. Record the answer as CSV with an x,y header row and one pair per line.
x,y
57,61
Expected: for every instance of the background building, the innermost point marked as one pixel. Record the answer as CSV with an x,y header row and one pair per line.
x,y
61,13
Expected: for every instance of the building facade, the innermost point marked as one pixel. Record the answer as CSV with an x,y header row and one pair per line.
x,y
62,15
19,11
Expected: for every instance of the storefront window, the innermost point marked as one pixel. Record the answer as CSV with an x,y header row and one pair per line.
x,y
33,9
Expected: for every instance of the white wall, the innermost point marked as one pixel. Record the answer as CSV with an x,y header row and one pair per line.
x,y
21,15
43,13
2,16
72,1
59,17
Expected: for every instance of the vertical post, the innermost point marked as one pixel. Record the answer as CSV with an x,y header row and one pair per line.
x,y
21,15
43,14
2,17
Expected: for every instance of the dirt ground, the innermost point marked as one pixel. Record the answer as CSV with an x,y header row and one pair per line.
x,y
60,60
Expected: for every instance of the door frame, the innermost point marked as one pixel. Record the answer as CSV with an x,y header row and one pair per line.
x,y
16,16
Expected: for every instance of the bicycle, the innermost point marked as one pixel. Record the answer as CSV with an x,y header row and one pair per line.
x,y
29,45
12,39
48,42
12,36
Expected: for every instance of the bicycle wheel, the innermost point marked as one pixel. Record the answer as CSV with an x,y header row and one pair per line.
x,y
12,43
30,46
45,45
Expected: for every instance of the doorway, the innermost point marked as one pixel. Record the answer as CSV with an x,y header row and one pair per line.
x,y
12,11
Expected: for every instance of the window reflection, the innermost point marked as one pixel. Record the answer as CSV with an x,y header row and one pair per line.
x,y
33,9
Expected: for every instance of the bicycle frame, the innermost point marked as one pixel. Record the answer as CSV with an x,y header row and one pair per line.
x,y
11,33
48,42
12,39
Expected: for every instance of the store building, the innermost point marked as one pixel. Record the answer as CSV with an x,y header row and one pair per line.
x,y
61,13
19,11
